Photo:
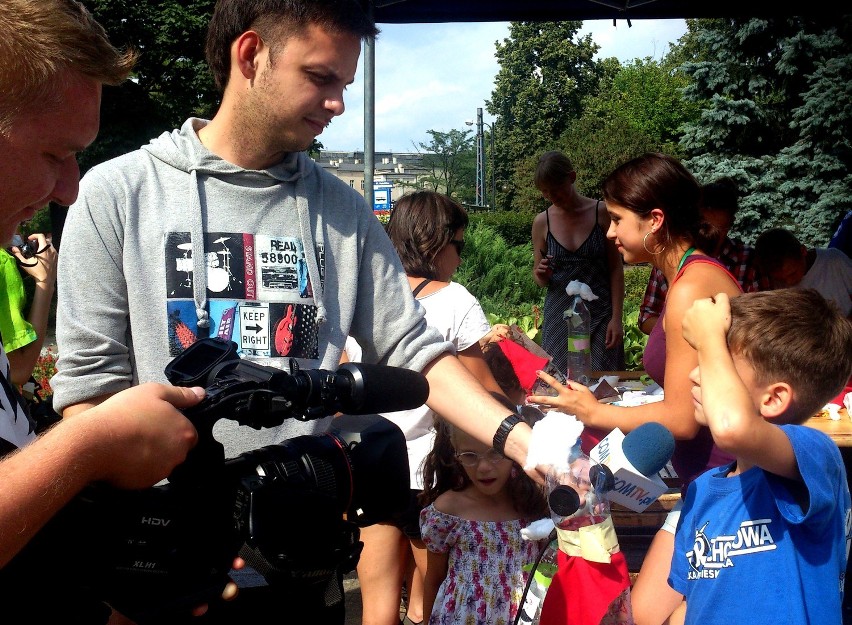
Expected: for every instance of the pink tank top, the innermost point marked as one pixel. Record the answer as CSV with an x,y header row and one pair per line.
x,y
691,458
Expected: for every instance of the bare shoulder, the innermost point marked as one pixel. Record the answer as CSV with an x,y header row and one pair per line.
x,y
699,281
450,502
539,226
603,215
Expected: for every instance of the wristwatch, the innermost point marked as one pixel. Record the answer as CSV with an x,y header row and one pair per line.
x,y
502,433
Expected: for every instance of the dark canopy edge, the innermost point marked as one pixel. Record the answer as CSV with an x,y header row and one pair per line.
x,y
434,11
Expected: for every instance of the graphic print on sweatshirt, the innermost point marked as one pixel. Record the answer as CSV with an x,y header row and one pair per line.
x,y
259,294
710,555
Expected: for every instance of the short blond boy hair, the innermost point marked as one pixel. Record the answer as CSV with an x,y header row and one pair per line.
x,y
40,41
794,336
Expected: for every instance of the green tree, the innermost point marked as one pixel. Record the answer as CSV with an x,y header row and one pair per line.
x,y
648,95
315,149
545,73
595,146
451,156
776,116
171,80
638,108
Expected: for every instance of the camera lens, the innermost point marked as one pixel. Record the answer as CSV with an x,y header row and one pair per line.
x,y
29,248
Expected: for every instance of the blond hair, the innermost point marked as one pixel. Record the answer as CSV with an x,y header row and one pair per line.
x,y
40,42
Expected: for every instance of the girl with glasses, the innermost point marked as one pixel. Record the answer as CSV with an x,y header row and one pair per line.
x,y
478,502
427,231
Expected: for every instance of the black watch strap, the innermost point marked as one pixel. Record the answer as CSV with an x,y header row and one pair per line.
x,y
502,433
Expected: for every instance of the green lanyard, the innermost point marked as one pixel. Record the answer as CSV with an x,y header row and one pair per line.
x,y
683,258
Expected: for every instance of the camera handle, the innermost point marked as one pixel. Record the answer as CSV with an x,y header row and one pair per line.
x,y
204,463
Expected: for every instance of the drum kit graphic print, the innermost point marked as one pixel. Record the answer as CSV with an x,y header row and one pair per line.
x,y
218,263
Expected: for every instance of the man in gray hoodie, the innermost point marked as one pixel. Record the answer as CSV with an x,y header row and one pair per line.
x,y
226,228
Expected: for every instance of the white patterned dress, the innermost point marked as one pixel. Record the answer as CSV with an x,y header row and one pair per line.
x,y
485,577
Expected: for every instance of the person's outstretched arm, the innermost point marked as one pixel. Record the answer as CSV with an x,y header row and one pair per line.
x,y
460,399
675,411
615,327
542,270
437,565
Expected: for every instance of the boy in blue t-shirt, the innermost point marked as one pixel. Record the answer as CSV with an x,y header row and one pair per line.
x,y
766,536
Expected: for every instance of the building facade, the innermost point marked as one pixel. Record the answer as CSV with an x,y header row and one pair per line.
x,y
402,171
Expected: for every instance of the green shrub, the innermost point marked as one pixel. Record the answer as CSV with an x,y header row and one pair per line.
x,y
499,274
530,323
635,281
634,341
514,227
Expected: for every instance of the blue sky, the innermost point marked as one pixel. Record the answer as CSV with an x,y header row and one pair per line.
x,y
434,76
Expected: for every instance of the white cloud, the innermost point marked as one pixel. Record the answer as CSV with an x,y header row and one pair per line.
x,y
434,76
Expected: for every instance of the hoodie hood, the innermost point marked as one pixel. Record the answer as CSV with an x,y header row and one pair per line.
x,y
183,150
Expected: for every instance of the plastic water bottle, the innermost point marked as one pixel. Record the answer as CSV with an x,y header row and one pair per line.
x,y
530,611
579,322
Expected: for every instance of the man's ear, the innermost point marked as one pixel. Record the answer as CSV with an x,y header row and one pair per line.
x,y
775,399
246,54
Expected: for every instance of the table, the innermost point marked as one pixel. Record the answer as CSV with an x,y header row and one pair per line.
x,y
623,375
840,431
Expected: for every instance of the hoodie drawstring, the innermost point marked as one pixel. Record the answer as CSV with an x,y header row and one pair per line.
x,y
199,262
310,248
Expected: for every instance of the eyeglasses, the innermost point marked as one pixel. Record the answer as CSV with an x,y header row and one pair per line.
x,y
471,458
459,245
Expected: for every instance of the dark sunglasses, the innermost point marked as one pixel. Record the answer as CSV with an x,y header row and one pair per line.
x,y
459,245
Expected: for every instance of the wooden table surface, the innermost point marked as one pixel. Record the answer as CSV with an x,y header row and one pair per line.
x,y
840,431
622,375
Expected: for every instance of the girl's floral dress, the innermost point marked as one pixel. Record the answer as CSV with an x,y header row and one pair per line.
x,y
485,577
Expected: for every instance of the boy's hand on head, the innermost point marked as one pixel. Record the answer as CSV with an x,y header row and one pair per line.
x,y
707,318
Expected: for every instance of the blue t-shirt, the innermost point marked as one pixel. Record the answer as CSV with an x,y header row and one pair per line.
x,y
744,546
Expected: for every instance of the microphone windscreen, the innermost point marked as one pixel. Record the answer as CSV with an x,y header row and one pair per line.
x,y
648,448
378,388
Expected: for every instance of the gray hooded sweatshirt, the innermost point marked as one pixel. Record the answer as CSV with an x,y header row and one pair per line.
x,y
171,243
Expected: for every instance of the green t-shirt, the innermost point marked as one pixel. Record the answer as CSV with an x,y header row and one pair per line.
x,y
15,330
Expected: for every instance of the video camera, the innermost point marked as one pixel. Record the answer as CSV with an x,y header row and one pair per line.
x,y
294,508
